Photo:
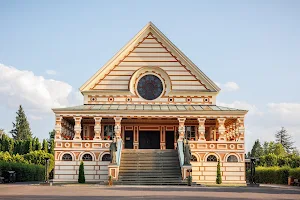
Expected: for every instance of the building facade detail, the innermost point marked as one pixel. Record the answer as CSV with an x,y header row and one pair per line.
x,y
149,96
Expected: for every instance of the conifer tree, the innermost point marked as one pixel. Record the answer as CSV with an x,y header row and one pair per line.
x,y
37,144
285,139
45,146
81,177
219,177
256,150
21,129
51,149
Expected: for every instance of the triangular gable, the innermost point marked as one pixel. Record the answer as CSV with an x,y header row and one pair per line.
x,y
150,48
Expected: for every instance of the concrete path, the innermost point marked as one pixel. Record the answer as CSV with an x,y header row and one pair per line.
x,y
93,192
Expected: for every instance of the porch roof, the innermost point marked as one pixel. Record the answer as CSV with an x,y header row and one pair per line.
x,y
140,107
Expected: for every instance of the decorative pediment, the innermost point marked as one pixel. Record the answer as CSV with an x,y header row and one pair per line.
x,y
150,50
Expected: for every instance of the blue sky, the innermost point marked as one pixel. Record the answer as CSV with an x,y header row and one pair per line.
x,y
250,48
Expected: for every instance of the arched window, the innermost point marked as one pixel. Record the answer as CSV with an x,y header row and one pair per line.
x,y
212,158
87,157
194,158
232,158
67,157
106,157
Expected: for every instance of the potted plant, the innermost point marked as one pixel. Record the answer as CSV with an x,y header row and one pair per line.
x,y
110,180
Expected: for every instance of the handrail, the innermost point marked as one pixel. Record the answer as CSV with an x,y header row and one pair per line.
x,y
119,151
180,152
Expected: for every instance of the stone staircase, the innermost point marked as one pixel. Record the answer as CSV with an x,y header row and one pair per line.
x,y
150,167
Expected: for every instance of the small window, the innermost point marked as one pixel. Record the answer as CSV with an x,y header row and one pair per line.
x,y
87,157
212,158
108,132
67,157
106,157
232,158
190,133
194,158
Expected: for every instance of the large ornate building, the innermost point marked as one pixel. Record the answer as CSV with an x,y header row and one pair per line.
x,y
149,96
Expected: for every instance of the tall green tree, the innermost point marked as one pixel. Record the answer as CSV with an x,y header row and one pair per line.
x,y
45,146
21,129
51,141
37,144
284,138
256,150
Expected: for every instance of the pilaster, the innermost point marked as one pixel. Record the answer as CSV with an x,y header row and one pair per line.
x,y
221,129
77,128
201,129
97,128
58,128
241,129
118,127
181,128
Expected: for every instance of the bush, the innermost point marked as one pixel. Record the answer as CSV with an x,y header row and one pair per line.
x,y
81,178
24,172
219,177
295,173
273,175
38,158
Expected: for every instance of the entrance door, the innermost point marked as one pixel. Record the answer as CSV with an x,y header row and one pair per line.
x,y
149,140
128,139
169,139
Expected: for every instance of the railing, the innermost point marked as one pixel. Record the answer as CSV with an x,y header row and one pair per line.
x,y
180,152
119,151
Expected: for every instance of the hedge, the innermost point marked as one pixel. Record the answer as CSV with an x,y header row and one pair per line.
x,y
24,172
275,175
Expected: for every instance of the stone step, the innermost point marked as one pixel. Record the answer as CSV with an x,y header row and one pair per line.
x,y
143,168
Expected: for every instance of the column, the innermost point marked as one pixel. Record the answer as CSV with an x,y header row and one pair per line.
x,y
118,127
221,129
77,128
58,127
181,128
201,129
241,129
97,128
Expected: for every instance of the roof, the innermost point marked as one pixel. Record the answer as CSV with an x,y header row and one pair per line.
x,y
140,107
127,48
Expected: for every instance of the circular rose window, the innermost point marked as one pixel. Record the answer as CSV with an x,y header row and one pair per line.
x,y
150,87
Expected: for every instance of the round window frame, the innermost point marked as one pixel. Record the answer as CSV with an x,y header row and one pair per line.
x,y
156,75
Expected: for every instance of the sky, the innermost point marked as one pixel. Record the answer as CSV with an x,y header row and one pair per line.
x,y
251,49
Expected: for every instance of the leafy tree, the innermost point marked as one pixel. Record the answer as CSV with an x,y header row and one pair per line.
x,y
279,150
37,144
285,139
266,148
51,141
51,149
21,129
45,146
256,150
81,177
219,177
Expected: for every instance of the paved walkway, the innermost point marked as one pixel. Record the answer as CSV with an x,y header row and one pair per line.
x,y
92,192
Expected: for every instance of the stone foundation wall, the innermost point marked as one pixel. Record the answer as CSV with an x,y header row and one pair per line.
x,y
206,172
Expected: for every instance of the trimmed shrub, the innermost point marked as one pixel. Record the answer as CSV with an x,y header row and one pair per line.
x,y
81,178
274,175
219,177
24,172
38,158
295,173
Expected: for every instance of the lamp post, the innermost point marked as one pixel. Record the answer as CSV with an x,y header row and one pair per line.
x,y
46,170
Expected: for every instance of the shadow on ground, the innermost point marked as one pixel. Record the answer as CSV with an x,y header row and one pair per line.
x,y
264,190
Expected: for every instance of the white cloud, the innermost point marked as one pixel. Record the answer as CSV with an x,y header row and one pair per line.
x,y
35,93
51,72
253,110
229,86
